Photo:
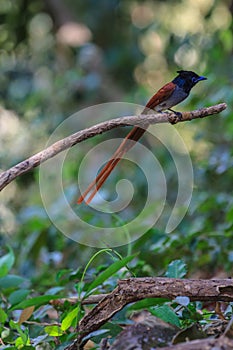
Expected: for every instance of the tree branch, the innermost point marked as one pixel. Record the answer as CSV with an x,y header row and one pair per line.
x,y
134,289
92,299
21,168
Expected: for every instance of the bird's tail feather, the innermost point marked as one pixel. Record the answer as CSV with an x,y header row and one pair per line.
x,y
125,146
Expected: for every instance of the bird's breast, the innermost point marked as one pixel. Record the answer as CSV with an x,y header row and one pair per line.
x,y
177,96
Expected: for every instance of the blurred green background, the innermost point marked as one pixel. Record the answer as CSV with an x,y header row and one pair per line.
x,y
58,57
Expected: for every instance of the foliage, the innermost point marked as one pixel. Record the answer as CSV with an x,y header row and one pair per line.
x,y
29,320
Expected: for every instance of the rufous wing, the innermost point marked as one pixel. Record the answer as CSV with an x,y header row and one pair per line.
x,y
161,95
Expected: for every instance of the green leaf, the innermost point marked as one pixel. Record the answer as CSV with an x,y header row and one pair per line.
x,y
13,325
176,269
37,301
3,316
63,274
145,303
53,331
24,338
6,263
166,314
54,290
10,281
17,296
116,266
67,321
96,334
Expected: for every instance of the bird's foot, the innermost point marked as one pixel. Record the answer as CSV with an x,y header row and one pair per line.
x,y
175,119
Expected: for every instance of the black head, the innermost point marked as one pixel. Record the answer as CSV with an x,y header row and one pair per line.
x,y
187,79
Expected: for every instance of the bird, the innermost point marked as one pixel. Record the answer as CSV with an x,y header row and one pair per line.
x,y
165,98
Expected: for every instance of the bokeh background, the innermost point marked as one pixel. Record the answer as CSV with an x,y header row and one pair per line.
x,y
57,57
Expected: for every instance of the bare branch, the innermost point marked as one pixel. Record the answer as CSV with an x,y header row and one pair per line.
x,y
92,299
134,289
21,168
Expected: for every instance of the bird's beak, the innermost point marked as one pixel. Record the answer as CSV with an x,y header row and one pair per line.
x,y
201,78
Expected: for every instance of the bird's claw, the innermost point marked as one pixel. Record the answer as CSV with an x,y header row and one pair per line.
x,y
175,119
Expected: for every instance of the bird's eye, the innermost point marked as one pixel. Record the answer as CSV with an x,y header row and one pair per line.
x,y
193,79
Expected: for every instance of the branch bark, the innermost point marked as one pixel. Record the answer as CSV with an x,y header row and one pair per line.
x,y
11,174
204,344
134,289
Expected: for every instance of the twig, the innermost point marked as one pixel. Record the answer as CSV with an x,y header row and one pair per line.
x,y
9,175
134,289
44,324
92,299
